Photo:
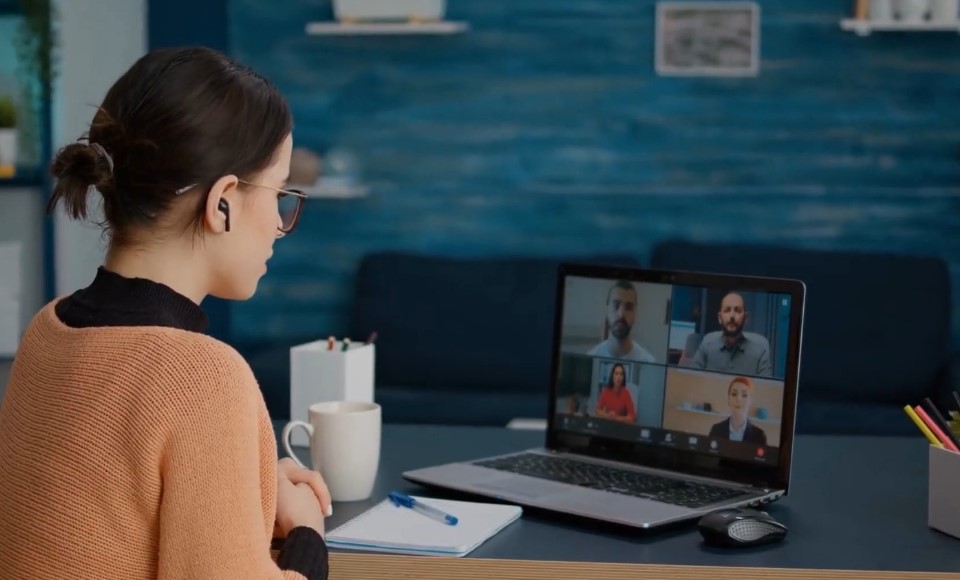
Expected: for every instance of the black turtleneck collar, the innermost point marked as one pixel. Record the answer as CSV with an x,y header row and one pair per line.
x,y
113,300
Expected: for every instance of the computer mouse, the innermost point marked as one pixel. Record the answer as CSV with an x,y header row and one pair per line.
x,y
730,528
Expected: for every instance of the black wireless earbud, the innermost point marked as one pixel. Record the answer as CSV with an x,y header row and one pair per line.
x,y
223,206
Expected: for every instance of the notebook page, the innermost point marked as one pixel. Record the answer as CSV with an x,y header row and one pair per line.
x,y
386,527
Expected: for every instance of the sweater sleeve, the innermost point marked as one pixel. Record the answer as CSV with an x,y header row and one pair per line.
x,y
212,521
304,551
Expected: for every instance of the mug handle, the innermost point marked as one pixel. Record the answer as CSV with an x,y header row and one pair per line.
x,y
285,437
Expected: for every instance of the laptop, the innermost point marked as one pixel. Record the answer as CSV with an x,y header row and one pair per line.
x,y
672,395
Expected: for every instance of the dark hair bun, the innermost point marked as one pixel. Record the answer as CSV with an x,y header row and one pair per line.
x,y
168,124
77,167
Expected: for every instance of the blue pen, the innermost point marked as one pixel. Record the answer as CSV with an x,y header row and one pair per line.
x,y
404,500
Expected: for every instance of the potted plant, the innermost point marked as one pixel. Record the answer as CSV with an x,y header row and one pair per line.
x,y
8,132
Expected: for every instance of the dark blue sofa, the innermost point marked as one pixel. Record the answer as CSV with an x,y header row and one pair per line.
x,y
467,341
876,336
460,340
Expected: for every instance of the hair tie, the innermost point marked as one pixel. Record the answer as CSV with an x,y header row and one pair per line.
x,y
103,153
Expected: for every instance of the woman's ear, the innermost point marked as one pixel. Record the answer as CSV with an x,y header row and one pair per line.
x,y
220,198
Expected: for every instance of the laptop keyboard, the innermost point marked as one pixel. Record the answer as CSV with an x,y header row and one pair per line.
x,y
664,489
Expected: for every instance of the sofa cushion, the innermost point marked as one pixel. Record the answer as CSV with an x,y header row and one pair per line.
x,y
853,418
403,404
455,324
270,363
877,326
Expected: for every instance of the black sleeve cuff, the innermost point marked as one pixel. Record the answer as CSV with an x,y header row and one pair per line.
x,y
304,551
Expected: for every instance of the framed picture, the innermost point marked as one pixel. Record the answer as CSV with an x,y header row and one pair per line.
x,y
708,39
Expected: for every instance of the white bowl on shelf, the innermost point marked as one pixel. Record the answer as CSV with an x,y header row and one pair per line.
x,y
388,10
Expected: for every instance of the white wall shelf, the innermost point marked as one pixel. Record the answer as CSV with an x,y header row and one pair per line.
x,y
332,188
864,27
385,28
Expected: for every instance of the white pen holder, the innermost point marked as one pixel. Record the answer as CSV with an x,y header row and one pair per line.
x,y
319,375
943,500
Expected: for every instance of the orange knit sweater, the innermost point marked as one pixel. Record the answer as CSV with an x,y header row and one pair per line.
x,y
134,453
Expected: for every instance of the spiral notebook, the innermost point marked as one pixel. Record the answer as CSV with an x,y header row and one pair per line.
x,y
390,528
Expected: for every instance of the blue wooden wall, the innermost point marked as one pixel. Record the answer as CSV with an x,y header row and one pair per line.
x,y
545,130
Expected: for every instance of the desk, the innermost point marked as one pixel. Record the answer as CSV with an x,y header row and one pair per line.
x,y
856,503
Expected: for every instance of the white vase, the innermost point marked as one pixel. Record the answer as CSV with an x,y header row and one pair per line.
x,y
8,147
881,10
389,10
912,11
945,11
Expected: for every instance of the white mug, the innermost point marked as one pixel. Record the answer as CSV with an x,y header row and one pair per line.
x,y
344,446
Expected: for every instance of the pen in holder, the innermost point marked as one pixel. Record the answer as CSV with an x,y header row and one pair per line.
x,y
943,511
329,370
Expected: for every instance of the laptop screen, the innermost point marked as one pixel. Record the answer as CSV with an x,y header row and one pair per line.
x,y
685,364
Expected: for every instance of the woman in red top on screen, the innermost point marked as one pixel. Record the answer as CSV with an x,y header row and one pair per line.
x,y
615,401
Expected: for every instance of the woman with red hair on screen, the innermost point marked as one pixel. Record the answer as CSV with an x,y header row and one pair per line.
x,y
615,401
738,427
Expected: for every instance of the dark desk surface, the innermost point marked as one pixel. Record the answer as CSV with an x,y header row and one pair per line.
x,y
855,503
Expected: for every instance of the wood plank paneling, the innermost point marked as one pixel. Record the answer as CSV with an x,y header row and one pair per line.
x,y
545,130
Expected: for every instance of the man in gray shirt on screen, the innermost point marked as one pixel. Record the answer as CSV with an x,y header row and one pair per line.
x,y
732,350
621,315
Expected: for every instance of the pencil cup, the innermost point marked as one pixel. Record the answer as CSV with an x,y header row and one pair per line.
x,y
319,374
344,446
943,512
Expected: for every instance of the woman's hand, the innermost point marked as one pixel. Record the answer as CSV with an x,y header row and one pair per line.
x,y
297,475
297,506
302,498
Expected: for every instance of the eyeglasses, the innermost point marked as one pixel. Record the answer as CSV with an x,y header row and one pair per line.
x,y
290,202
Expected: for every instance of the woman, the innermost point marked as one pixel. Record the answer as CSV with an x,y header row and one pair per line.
x,y
737,427
132,445
615,401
